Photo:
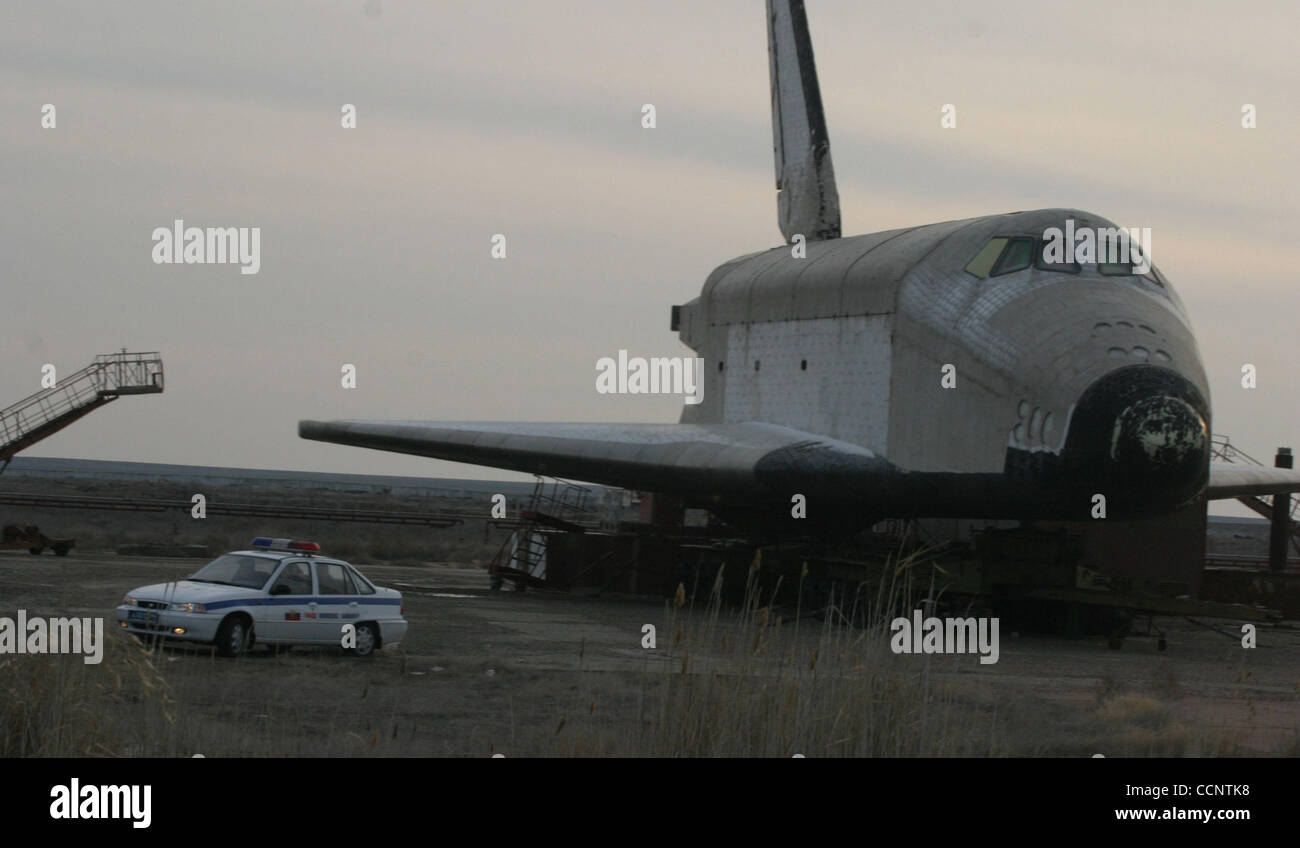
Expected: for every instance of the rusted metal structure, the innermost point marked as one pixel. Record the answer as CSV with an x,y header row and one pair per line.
x,y
30,537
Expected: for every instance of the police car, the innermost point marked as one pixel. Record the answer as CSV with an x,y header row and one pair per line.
x,y
282,592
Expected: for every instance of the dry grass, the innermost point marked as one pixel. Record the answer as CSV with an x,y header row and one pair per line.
x,y
746,681
1142,726
58,706
167,702
755,683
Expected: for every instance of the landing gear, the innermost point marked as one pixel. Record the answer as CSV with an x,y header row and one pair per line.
x,y
1121,626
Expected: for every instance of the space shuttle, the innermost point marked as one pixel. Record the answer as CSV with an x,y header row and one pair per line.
x,y
949,370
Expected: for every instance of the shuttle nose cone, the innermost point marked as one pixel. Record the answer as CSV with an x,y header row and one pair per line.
x,y
1140,436
1160,439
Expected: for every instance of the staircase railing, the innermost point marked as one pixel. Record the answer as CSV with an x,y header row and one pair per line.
x,y
105,379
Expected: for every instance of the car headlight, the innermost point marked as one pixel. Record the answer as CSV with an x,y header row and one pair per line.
x,y
129,601
188,607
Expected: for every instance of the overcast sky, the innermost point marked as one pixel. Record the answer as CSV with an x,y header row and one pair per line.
x,y
524,118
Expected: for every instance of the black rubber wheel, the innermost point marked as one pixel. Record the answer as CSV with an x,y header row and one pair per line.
x,y
1115,643
60,550
35,551
233,636
367,640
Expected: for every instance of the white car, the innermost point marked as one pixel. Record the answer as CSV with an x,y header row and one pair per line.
x,y
279,593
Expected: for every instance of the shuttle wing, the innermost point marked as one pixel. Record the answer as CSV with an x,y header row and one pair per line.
x,y
1228,480
747,460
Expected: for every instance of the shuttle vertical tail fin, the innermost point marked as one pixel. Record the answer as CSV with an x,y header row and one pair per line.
x,y
807,201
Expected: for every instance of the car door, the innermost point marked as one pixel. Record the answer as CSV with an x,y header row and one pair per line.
x,y
291,610
366,596
337,601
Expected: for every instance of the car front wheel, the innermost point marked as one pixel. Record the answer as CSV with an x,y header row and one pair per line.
x,y
232,636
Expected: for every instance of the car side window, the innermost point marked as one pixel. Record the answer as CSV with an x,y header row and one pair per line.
x,y
297,577
331,578
362,584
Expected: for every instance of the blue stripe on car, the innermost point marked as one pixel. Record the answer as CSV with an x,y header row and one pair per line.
x,y
282,601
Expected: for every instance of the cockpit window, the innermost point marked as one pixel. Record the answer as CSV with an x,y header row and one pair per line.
x,y
1016,257
1002,255
1130,269
1118,253
984,261
1007,254
1139,259
1041,262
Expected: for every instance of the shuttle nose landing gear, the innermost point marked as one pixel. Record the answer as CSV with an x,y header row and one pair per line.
x,y
1123,627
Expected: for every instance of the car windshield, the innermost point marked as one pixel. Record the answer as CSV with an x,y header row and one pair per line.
x,y
245,570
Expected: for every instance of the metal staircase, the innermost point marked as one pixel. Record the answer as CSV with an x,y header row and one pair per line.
x,y
104,380
1222,448
556,505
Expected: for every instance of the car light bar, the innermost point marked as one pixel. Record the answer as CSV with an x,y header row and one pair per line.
x,y
267,543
